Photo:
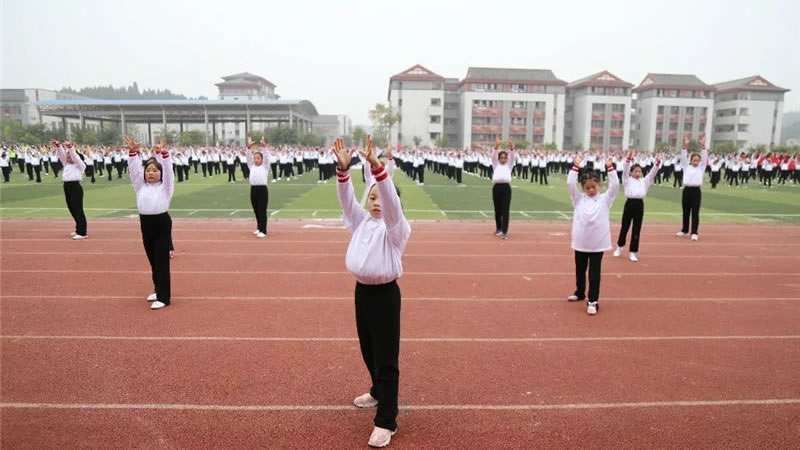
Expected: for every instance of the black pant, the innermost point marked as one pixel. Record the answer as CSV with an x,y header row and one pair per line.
x,y
90,173
378,325
6,174
678,179
501,195
542,175
634,210
593,261
459,173
29,168
38,170
74,194
245,170
714,178
157,239
691,204
259,198
231,172
421,173
119,169
108,170
205,168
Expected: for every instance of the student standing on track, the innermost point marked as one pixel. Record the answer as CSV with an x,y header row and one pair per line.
x,y
258,168
635,186
73,173
502,163
591,230
154,185
693,170
374,258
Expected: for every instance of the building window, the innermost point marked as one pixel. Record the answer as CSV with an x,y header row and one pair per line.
x,y
478,86
659,92
598,90
598,107
620,91
436,119
539,88
744,112
618,108
687,126
400,102
519,88
494,87
661,109
690,109
597,124
519,105
450,121
434,136
436,101
675,110
451,106
437,85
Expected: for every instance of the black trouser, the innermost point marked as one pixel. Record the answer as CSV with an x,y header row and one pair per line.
x,y
74,195
186,171
98,167
56,168
6,174
378,325
46,166
119,169
784,176
157,239
678,179
90,173
108,170
691,205
245,170
259,198
459,173
29,168
231,172
593,261
274,167
421,173
734,178
178,170
21,163
38,170
205,168
299,165
501,195
768,178
194,163
542,175
633,211
714,178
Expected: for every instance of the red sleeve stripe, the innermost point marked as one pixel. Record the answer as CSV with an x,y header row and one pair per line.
x,y
341,172
628,159
165,155
344,179
576,168
132,154
378,170
382,176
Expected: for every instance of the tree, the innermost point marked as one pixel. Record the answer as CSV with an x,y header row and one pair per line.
x,y
551,146
194,138
84,135
256,135
281,136
170,135
693,146
11,130
109,135
440,142
383,119
312,140
380,141
358,135
579,147
725,147
663,147
417,140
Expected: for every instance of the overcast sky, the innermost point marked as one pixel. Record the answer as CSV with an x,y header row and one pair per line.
x,y
340,54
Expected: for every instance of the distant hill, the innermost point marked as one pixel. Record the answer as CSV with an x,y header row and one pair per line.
x,y
124,92
791,126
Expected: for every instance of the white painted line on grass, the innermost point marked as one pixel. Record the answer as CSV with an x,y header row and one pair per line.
x,y
275,212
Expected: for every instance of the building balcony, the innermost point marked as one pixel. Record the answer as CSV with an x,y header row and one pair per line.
x,y
688,118
660,118
598,116
617,116
539,114
486,112
597,131
517,130
538,131
487,129
702,119
519,113
617,132
659,133
674,117
673,133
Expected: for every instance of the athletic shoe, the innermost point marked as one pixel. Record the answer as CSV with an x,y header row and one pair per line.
x,y
505,236
381,437
365,401
73,234
157,305
498,233
422,184
573,298
152,297
256,232
694,237
78,237
680,234
592,308
279,179
261,235
633,257
618,251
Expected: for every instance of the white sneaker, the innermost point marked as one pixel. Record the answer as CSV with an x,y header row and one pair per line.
x,y
618,251
78,237
680,234
157,305
152,297
694,237
422,184
573,298
256,232
380,437
592,308
633,257
498,233
73,234
279,179
261,235
365,401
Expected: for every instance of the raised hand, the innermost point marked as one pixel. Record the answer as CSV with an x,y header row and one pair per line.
x,y
389,151
630,155
54,142
343,155
685,140
263,142
702,141
249,142
371,154
496,142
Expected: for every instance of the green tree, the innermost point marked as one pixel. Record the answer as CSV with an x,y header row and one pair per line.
x,y
358,135
109,135
725,147
693,146
256,135
11,130
312,140
663,147
85,136
193,138
579,147
440,142
383,119
170,135
281,136
379,141
417,140
551,146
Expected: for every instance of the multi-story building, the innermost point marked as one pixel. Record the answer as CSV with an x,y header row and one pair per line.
x,y
417,94
598,113
19,104
331,126
511,104
668,106
246,86
452,118
748,112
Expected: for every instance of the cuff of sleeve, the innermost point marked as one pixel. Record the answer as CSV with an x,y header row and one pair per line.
x,y
343,178
132,154
165,155
341,173
378,170
628,159
611,168
576,168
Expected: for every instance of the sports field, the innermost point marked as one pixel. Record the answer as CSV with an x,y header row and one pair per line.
x,y
438,199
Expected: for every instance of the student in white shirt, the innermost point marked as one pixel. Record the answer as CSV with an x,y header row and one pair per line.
x,y
635,186
374,258
5,166
258,169
693,170
154,185
230,161
591,230
73,173
109,163
502,163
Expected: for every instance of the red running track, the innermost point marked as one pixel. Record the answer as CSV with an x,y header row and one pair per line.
x,y
695,346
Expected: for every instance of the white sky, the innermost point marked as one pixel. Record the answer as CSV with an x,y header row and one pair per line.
x,y
340,54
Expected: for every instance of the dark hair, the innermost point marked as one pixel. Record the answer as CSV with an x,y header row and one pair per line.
x,y
258,153
691,157
150,162
590,175
635,166
502,152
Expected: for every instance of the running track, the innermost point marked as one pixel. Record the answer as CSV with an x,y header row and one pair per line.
x,y
697,345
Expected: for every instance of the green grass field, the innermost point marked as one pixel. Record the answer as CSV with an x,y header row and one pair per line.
x,y
439,199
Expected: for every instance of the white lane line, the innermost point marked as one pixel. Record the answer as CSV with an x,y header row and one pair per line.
x,y
432,407
419,339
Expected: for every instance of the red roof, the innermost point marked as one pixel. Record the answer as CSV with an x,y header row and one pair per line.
x,y
417,73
